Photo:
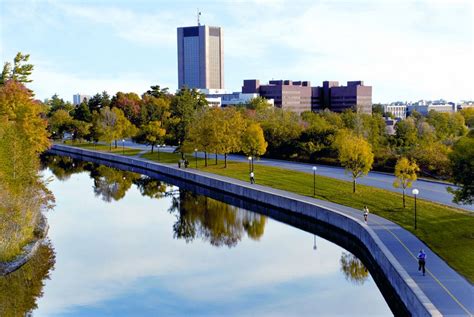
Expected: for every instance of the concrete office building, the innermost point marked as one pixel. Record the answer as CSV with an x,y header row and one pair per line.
x,y
299,96
200,57
355,96
286,94
77,99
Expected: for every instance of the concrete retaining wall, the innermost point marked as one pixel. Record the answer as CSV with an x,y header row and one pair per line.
x,y
408,291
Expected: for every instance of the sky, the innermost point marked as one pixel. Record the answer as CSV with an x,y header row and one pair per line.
x,y
406,50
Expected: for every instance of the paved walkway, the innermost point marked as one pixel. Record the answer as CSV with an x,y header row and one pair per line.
x,y
450,292
429,190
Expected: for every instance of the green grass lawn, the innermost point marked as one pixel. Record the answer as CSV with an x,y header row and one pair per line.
x,y
104,148
447,231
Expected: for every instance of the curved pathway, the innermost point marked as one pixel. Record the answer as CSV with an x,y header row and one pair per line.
x,y
429,190
443,291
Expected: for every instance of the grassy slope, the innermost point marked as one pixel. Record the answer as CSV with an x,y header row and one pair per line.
x,y
447,231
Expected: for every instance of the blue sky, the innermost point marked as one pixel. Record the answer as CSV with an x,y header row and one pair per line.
x,y
407,50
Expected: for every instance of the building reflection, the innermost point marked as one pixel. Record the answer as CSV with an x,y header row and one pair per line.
x,y
21,289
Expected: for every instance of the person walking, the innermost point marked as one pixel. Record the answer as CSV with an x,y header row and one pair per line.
x,y
252,178
366,213
421,261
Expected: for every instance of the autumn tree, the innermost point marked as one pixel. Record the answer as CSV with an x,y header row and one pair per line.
x,y
152,134
59,123
231,125
253,141
353,268
23,136
203,133
111,125
281,128
130,104
405,173
355,154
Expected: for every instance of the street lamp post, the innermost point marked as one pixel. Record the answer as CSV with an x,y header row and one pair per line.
x,y
123,146
314,180
250,164
196,157
314,245
415,192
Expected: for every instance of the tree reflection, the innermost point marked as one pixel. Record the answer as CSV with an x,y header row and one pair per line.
x,y
63,167
112,184
353,268
20,290
151,187
213,221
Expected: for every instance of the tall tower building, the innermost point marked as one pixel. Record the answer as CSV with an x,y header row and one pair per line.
x,y
200,57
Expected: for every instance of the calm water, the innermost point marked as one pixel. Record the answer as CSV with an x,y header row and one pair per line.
x,y
122,244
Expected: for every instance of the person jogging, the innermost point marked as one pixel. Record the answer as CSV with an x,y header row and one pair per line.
x,y
366,213
252,178
421,261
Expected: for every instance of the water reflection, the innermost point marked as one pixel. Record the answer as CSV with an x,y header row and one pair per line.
x,y
20,290
149,270
214,221
353,268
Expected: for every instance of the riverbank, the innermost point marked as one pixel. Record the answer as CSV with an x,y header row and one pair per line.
x,y
29,250
392,247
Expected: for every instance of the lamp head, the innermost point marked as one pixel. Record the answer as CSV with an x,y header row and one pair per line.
x,y
415,191
314,168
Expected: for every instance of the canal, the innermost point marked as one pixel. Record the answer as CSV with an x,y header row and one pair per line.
x,y
125,244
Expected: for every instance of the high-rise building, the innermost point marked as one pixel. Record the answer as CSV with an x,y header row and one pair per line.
x,y
77,99
200,57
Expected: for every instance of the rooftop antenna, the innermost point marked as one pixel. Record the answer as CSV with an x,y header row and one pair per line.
x,y
198,17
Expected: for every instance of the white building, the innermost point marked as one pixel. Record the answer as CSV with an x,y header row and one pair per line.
x,y
398,110
77,99
424,107
219,98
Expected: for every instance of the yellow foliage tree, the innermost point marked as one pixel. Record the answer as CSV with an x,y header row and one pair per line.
x,y
355,154
405,172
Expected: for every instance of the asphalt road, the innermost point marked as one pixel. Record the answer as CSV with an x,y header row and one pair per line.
x,y
428,190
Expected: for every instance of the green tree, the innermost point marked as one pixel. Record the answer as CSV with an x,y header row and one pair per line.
x,y
82,112
155,109
158,92
355,154
59,123
20,71
281,128
462,161
152,134
468,115
258,104
55,103
406,132
405,172
183,108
